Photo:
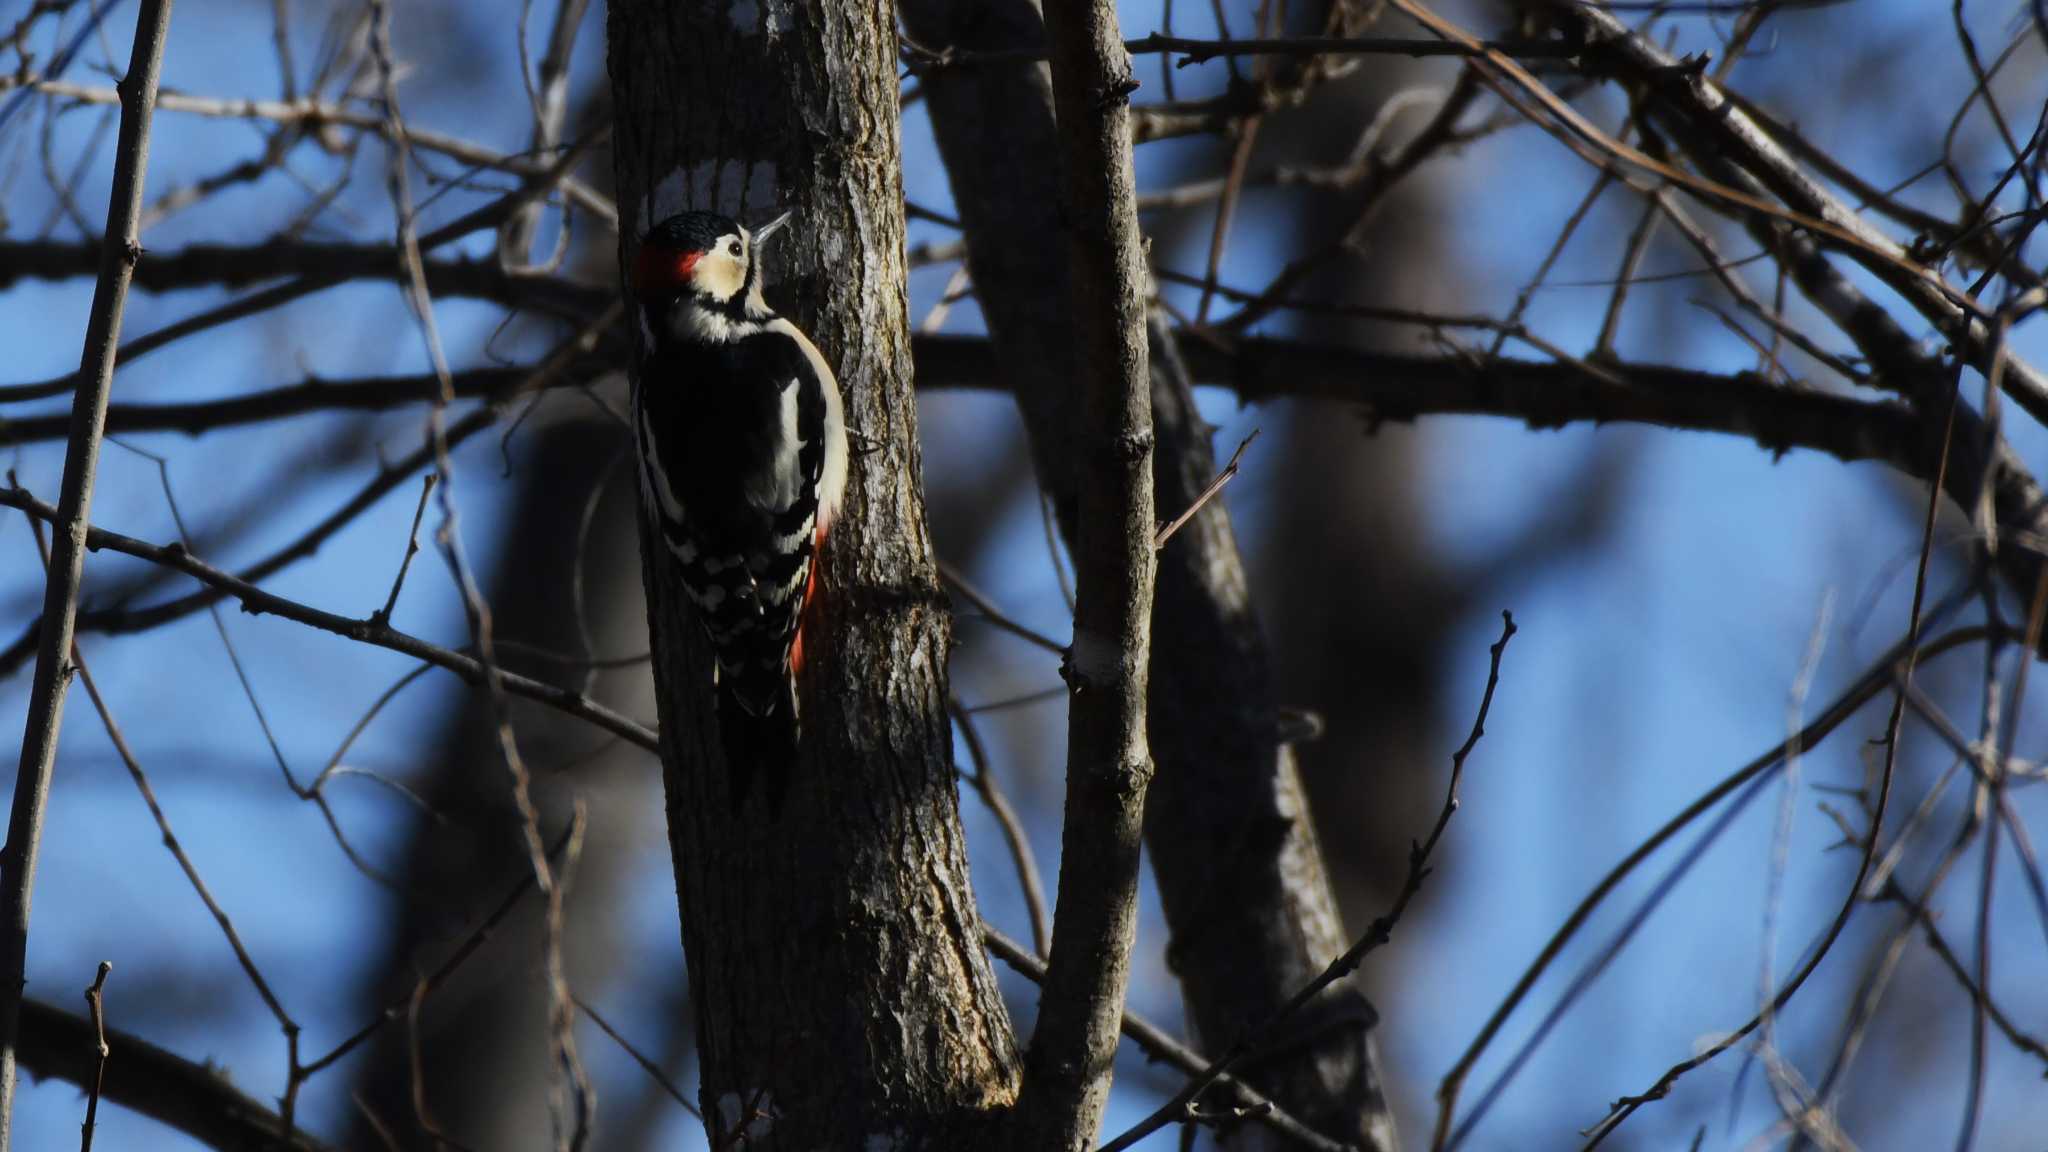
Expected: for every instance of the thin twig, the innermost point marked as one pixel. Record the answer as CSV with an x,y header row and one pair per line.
x,y
177,850
958,582
97,1008
1158,1044
1014,837
1377,934
412,548
470,945
1627,1106
1228,474
387,478
315,115
119,252
1196,51
486,216
1867,686
652,1069
258,601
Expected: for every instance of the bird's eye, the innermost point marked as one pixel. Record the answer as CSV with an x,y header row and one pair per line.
x,y
733,247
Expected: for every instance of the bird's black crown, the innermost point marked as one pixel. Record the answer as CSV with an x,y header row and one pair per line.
x,y
691,231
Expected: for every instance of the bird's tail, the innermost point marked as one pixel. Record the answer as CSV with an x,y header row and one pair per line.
x,y
757,724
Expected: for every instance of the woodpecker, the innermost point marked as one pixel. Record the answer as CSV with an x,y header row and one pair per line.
x,y
742,441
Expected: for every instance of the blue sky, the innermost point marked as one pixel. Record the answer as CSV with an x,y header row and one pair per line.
x,y
1647,667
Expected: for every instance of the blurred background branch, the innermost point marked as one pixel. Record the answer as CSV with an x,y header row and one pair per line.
x,y
1800,226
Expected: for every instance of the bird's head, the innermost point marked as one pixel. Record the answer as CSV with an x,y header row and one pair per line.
x,y
698,268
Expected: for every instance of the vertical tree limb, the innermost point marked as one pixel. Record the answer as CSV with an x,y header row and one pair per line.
x,y
120,249
842,994
549,94
1240,873
1067,1074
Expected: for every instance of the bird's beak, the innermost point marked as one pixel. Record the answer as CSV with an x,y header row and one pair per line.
x,y
769,229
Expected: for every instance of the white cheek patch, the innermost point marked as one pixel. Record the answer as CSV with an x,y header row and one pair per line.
x,y
721,275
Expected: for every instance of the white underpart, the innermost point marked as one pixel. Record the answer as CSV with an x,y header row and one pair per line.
x,y
780,485
832,483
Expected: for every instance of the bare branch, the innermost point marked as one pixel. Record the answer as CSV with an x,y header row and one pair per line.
x,y
122,246
1628,1105
1708,124
487,216
494,386
256,600
117,619
1223,478
1030,887
922,59
192,1097
1158,1044
245,265
312,115
1376,934
1109,764
97,1008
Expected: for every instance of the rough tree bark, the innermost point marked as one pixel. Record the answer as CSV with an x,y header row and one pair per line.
x,y
841,990
1240,874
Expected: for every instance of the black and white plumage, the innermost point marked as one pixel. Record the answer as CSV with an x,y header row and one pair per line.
x,y
743,464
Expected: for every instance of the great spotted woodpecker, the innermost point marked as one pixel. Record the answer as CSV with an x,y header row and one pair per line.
x,y
742,443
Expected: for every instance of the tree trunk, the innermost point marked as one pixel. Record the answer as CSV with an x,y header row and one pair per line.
x,y
836,965
1240,874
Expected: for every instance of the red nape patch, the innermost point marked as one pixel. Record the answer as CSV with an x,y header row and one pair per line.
x,y
659,270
